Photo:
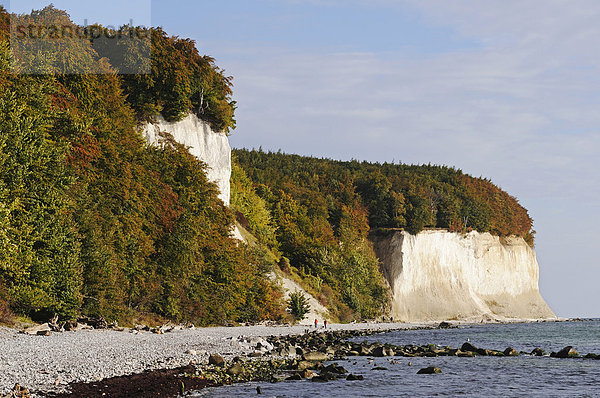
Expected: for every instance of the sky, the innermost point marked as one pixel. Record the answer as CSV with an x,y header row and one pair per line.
x,y
504,89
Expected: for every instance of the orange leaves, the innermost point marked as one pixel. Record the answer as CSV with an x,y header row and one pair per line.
x,y
84,151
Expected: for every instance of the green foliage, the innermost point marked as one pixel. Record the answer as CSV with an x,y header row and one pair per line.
x,y
323,211
530,238
94,221
39,250
386,207
298,305
322,228
181,81
47,42
396,195
245,200
6,315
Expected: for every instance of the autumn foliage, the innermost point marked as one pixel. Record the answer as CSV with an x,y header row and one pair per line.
x,y
394,195
94,221
323,211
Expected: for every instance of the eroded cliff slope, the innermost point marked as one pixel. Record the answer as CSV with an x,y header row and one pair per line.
x,y
207,145
438,275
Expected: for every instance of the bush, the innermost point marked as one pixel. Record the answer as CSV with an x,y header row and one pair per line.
x,y
284,265
298,305
530,238
5,313
254,209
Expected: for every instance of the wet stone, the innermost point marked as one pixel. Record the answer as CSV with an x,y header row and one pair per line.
x,y
216,359
429,371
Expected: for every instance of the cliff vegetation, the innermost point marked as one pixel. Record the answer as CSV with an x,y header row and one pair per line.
x,y
322,211
94,221
393,195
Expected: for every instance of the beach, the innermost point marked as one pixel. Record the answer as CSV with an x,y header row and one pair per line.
x,y
50,363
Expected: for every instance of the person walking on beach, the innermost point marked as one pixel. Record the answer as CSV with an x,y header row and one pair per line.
x,y
316,323
325,323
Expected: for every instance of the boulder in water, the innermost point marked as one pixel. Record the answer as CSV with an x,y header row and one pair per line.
x,y
429,371
382,351
511,352
468,347
334,368
567,352
352,377
364,350
538,352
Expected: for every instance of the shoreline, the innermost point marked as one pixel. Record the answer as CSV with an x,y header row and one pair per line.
x,y
50,363
46,364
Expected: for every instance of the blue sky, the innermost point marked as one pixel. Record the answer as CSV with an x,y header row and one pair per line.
x,y
505,89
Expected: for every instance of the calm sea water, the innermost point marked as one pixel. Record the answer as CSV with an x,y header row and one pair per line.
x,y
522,376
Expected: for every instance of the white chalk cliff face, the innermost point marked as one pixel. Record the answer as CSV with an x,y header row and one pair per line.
x,y
207,145
438,275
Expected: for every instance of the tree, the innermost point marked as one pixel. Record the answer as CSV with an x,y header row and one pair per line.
x,y
298,305
181,81
39,248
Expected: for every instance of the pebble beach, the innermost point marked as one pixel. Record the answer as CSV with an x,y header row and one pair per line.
x,y
50,363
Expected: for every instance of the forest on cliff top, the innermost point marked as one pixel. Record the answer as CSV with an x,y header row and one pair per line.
x,y
322,211
94,221
395,195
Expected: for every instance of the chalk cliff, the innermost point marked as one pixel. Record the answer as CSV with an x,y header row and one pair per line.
x,y
438,275
207,145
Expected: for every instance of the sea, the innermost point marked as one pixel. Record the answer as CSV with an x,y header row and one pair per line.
x,y
522,376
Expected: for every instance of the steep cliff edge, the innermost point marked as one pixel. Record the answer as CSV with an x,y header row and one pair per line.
x,y
438,275
434,275
207,145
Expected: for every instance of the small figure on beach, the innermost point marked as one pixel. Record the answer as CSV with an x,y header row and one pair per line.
x,y
325,323
316,323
